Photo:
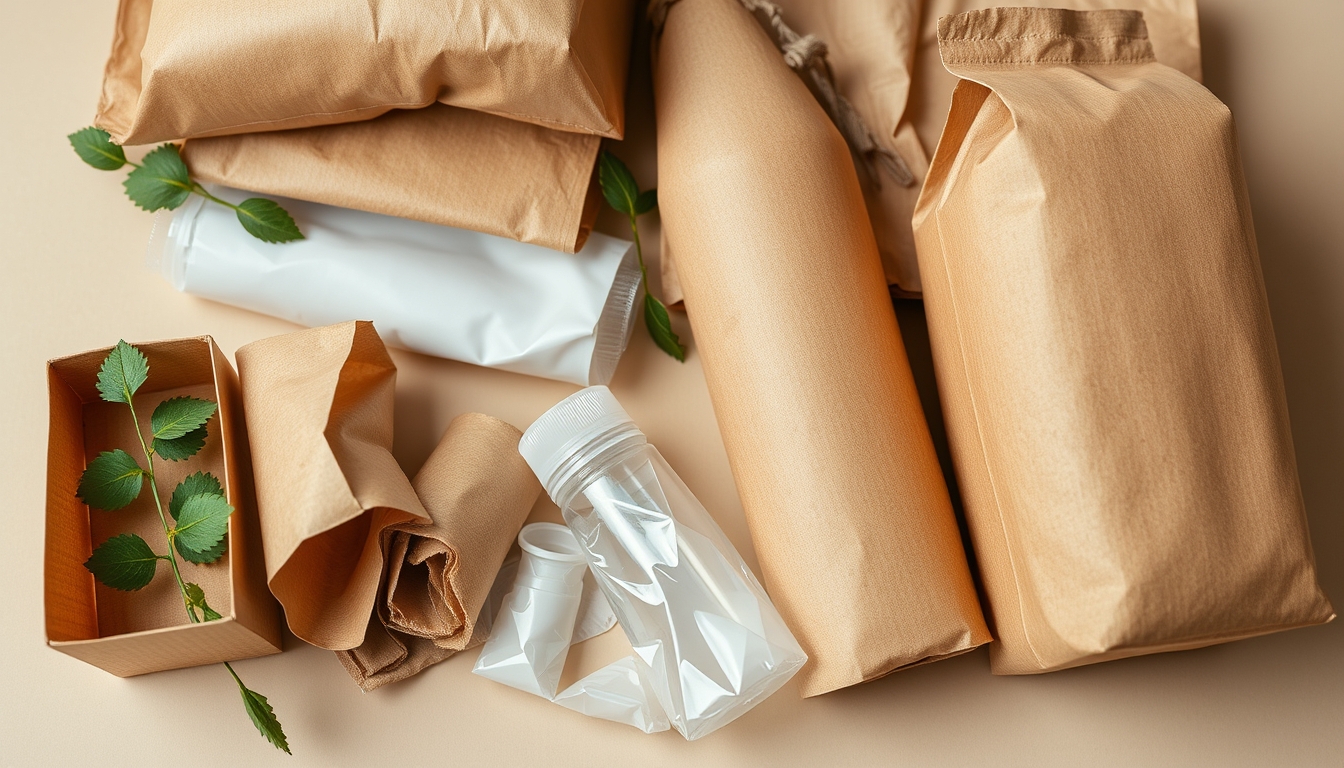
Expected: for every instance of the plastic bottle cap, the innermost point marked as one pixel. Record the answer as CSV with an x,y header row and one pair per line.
x,y
555,443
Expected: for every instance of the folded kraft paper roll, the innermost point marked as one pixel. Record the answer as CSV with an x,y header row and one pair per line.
x,y
1117,418
815,401
441,164
184,69
477,490
319,415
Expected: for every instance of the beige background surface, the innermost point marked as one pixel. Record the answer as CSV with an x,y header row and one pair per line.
x,y
72,247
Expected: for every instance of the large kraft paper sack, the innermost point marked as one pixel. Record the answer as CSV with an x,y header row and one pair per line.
x,y
1103,348
183,69
847,507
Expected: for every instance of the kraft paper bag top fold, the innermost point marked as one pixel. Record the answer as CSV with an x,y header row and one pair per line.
x,y
319,414
815,401
440,164
478,491
184,69
1103,347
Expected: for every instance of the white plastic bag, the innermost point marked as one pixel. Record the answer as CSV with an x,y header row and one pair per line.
x,y
442,291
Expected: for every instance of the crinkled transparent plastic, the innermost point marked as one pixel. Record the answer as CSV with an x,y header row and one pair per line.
x,y
711,643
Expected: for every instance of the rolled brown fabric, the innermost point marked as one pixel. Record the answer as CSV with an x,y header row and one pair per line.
x,y
847,507
478,491
184,69
319,415
1104,352
440,164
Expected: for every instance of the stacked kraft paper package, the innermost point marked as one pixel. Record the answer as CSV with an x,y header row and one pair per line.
x,y
1055,184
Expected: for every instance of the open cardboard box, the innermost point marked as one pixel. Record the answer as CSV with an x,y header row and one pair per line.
x,y
132,633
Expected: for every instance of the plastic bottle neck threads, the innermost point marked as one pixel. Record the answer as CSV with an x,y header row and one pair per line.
x,y
573,441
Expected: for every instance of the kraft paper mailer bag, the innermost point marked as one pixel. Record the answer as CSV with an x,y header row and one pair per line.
x,y
847,508
184,69
1103,348
440,164
478,491
319,416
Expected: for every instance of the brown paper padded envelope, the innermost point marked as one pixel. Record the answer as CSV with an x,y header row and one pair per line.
x,y
440,164
1117,419
319,411
847,507
478,491
183,69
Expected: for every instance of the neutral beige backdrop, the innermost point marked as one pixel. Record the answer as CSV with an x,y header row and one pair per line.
x,y
72,250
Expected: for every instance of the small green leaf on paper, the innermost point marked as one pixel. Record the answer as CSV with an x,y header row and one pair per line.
x,y
123,371
201,525
191,485
161,181
267,221
660,327
177,416
111,481
618,184
183,447
94,146
123,562
263,717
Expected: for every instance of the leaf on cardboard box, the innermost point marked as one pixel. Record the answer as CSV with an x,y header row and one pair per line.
x,y
177,416
183,447
123,371
123,562
201,524
191,485
111,481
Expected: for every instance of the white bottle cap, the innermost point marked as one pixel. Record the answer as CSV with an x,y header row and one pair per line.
x,y
558,443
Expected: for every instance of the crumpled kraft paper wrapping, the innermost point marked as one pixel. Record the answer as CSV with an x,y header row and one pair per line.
x,y
478,491
440,164
1103,346
319,416
784,287
186,69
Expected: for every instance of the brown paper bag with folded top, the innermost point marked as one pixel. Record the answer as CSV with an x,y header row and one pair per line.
x,y
440,164
1117,417
183,69
319,416
478,491
815,401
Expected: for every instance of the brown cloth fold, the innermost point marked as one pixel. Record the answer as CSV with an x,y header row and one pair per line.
x,y
440,164
185,69
478,491
847,507
319,415
1104,352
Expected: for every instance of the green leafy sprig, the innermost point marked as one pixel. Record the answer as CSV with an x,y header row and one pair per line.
x,y
161,180
622,193
199,510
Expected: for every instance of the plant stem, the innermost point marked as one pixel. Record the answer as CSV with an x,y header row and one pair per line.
x,y
200,190
639,252
163,519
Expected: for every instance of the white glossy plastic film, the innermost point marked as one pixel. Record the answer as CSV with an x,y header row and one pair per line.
x,y
442,291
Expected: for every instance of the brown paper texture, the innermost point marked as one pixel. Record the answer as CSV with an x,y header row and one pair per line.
x,y
1117,419
440,164
184,69
811,387
319,406
478,491
132,633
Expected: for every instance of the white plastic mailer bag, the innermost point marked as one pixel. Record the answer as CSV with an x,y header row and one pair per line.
x,y
438,290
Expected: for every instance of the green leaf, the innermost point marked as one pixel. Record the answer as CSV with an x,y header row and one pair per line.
x,y
201,482
111,481
161,181
647,201
263,717
177,416
183,447
201,525
267,221
123,562
123,371
196,598
660,327
618,184
94,146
